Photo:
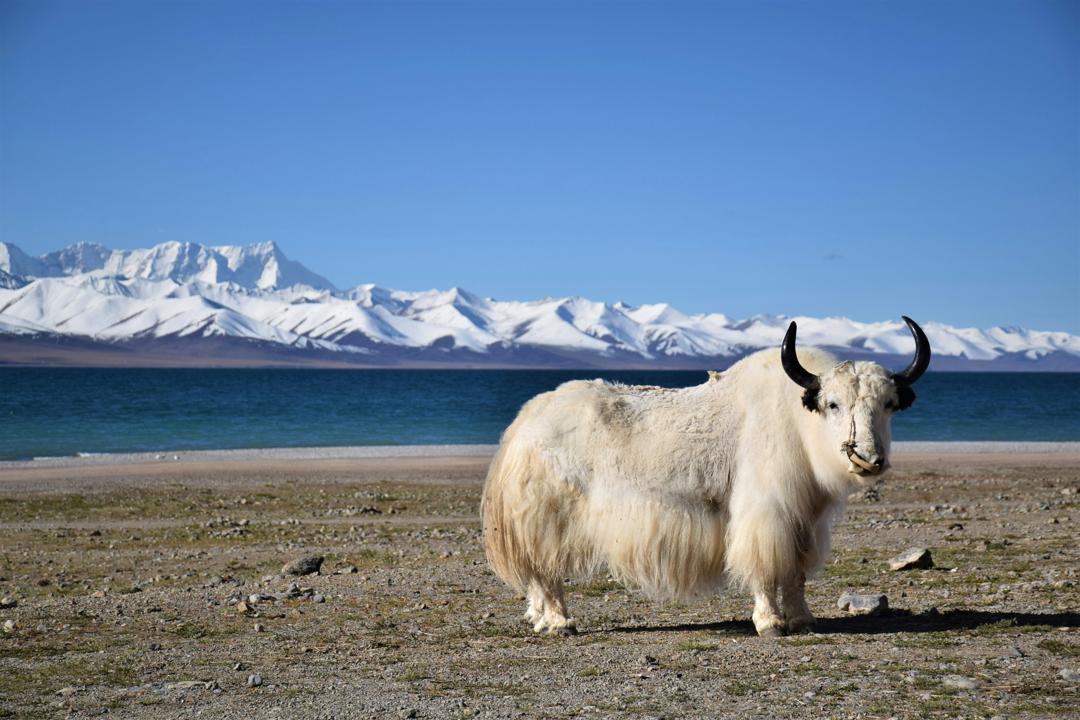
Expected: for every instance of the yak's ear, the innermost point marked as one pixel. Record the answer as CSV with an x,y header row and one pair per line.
x,y
905,396
810,399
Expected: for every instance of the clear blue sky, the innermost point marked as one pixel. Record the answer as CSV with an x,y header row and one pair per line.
x,y
858,158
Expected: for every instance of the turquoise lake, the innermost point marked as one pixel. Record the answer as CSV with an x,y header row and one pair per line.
x,y
65,411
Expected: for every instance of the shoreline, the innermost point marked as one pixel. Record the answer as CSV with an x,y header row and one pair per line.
x,y
1058,450
342,452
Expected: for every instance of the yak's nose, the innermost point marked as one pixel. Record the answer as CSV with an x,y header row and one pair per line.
x,y
873,464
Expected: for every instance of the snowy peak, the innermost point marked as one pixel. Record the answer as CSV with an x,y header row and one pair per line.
x,y
265,266
262,266
14,262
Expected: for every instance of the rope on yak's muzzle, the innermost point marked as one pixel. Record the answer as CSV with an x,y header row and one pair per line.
x,y
848,448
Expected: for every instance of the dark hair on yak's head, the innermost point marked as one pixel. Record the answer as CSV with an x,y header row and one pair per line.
x,y
811,384
905,396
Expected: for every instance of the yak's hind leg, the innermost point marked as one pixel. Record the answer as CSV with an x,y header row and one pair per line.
x,y
793,602
547,608
534,603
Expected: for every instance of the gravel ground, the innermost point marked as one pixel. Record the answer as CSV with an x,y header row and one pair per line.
x,y
156,590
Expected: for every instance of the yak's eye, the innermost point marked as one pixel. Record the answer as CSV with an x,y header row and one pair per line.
x,y
833,406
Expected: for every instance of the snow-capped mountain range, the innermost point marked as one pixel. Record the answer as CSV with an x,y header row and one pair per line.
x,y
253,304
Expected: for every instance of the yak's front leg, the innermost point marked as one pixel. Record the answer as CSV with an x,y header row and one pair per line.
x,y
793,602
547,608
768,620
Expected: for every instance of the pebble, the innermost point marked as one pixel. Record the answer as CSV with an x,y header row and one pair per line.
x,y
317,598
254,680
960,682
915,557
305,565
239,667
9,627
648,660
7,603
857,604
1072,676
191,685
67,692
259,627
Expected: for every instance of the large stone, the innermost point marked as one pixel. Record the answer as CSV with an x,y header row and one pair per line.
x,y
915,557
857,604
303,565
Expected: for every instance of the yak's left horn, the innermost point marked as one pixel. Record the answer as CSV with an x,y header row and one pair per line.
x,y
790,360
922,355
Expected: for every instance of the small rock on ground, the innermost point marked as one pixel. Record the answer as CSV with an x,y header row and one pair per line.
x,y
191,685
960,682
912,558
857,604
305,565
1068,675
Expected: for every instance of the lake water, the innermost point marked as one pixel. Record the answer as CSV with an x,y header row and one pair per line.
x,y
65,411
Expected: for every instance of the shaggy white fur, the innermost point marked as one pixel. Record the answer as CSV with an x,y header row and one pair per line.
x,y
679,491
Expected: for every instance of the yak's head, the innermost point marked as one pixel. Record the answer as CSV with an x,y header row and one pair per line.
x,y
856,401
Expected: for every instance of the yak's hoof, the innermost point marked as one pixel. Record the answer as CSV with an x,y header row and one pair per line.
x,y
801,628
771,632
568,630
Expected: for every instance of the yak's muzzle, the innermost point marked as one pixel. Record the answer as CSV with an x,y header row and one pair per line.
x,y
857,464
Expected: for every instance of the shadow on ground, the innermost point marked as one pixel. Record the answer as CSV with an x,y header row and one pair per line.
x,y
896,621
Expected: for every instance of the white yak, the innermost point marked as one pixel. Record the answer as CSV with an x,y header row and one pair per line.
x,y
677,491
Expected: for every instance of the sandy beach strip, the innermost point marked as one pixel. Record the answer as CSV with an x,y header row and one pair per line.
x,y
408,463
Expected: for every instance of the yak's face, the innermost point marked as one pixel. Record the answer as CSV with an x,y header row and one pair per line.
x,y
857,400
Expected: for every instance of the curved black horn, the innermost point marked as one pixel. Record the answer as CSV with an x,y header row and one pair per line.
x,y
922,355
790,360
